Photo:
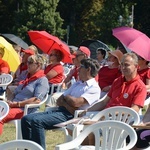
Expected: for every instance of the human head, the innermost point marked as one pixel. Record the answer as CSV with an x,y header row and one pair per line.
x,y
88,69
26,54
82,53
17,48
33,48
142,61
115,57
1,52
56,56
101,53
35,63
129,65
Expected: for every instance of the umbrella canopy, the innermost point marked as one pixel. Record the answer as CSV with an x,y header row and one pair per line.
x,y
93,45
10,55
134,40
16,40
47,42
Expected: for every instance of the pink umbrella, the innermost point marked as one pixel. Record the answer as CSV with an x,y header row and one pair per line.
x,y
47,42
134,40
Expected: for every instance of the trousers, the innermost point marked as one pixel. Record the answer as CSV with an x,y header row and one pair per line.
x,y
34,125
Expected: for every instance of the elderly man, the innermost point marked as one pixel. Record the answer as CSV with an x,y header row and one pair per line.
x,y
127,90
80,95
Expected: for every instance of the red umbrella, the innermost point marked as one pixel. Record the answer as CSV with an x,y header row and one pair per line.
x,y
47,42
134,40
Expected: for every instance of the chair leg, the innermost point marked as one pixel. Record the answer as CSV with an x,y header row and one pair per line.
x,y
18,129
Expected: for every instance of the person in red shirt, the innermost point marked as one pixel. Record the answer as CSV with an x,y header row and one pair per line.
x,y
108,74
127,90
55,71
144,71
4,67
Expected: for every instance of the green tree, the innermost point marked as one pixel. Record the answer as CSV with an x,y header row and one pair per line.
x,y
38,15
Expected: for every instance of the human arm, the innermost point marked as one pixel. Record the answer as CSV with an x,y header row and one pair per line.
x,y
51,74
106,88
14,104
99,105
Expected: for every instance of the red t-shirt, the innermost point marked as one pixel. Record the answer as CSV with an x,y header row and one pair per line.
x,y
59,69
4,67
106,76
124,93
144,74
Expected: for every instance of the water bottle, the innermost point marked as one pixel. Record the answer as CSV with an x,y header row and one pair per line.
x,y
73,80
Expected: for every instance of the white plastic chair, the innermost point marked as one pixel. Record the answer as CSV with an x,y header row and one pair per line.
x,y
53,87
113,137
66,70
26,144
119,113
17,122
4,109
5,80
146,104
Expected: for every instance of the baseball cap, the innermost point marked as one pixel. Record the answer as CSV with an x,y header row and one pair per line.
x,y
85,50
28,51
118,54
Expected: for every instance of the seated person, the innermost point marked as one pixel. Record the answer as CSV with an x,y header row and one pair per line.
x,y
81,53
21,72
55,71
80,95
32,90
4,67
108,74
144,73
101,54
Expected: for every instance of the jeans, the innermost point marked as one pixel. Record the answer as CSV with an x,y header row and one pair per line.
x,y
34,125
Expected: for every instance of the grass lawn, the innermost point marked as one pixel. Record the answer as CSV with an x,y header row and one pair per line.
x,y
52,137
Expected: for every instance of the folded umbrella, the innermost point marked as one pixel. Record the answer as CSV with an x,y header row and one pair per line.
x,y
16,40
47,42
10,55
134,40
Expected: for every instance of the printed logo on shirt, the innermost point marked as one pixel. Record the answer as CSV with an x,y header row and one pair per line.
x,y
125,95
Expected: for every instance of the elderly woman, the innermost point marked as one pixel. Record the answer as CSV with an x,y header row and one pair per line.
x,y
32,90
55,71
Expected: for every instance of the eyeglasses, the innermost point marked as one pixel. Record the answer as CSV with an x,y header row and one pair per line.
x,y
52,55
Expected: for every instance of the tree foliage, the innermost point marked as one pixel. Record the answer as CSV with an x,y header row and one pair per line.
x,y
38,15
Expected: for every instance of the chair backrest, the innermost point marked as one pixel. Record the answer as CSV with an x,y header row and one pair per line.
x,y
26,144
66,71
4,109
119,113
5,80
112,137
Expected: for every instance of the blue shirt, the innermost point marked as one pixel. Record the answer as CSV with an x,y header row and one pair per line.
x,y
37,88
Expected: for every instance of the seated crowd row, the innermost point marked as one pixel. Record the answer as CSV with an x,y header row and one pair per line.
x,y
124,77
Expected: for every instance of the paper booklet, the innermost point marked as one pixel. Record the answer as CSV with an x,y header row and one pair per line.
x,y
71,121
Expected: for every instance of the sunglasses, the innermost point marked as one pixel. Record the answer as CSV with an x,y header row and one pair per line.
x,y
30,62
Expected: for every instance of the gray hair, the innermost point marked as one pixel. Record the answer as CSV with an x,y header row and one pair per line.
x,y
133,56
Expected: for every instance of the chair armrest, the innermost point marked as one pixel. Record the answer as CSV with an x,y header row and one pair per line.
x,y
30,106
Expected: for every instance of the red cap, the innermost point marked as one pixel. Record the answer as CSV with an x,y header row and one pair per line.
x,y
85,50
28,51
